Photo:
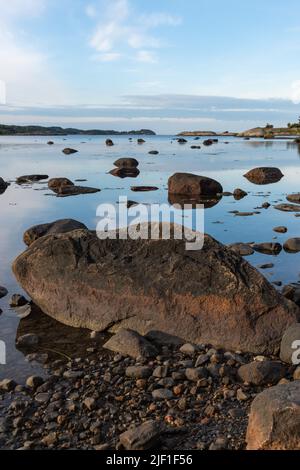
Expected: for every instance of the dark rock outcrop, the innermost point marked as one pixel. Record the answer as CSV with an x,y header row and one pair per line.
x,y
31,179
59,226
208,296
193,185
264,175
69,151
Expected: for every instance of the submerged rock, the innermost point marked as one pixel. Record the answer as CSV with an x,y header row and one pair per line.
x,y
287,207
126,163
55,184
294,198
242,249
280,229
239,194
264,175
59,226
64,187
3,185
31,179
69,151
3,292
268,248
292,245
274,422
213,296
143,188
193,185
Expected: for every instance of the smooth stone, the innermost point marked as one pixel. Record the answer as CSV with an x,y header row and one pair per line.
x,y
292,245
130,343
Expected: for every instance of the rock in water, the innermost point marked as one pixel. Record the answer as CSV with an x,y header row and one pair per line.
x,y
292,245
189,184
264,175
274,422
69,151
109,143
31,179
3,185
59,226
56,184
208,296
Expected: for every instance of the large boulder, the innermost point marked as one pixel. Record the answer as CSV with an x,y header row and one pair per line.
x,y
207,296
193,185
59,226
274,422
264,175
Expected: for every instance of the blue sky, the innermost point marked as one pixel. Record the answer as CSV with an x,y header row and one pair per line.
x,y
169,65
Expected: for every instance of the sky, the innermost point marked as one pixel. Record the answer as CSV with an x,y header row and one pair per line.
x,y
166,65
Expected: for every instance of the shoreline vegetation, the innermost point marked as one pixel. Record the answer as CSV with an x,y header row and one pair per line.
x,y
54,130
267,132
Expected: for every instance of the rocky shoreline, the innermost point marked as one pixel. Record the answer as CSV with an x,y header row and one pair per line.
x,y
186,397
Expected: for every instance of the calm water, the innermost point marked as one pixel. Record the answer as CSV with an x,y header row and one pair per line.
x,y
24,206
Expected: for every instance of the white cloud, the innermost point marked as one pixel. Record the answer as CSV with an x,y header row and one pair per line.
x,y
146,56
295,93
25,69
121,27
107,57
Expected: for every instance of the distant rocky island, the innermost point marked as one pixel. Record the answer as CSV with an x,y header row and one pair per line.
x,y
267,132
44,131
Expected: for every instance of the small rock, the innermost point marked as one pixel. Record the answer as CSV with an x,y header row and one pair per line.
x,y
262,373
162,394
27,341
3,292
138,372
280,229
18,301
90,403
196,374
34,381
69,151
188,349
130,343
141,437
7,385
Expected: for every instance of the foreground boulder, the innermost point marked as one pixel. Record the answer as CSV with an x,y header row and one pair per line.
x,y
59,226
274,422
207,296
194,185
264,175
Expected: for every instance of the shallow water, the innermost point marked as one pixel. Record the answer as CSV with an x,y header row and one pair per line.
x,y
24,206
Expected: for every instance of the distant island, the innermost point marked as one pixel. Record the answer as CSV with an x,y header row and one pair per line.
x,y
267,132
57,131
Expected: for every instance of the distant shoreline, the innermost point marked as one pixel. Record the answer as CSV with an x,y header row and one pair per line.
x,y
6,130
